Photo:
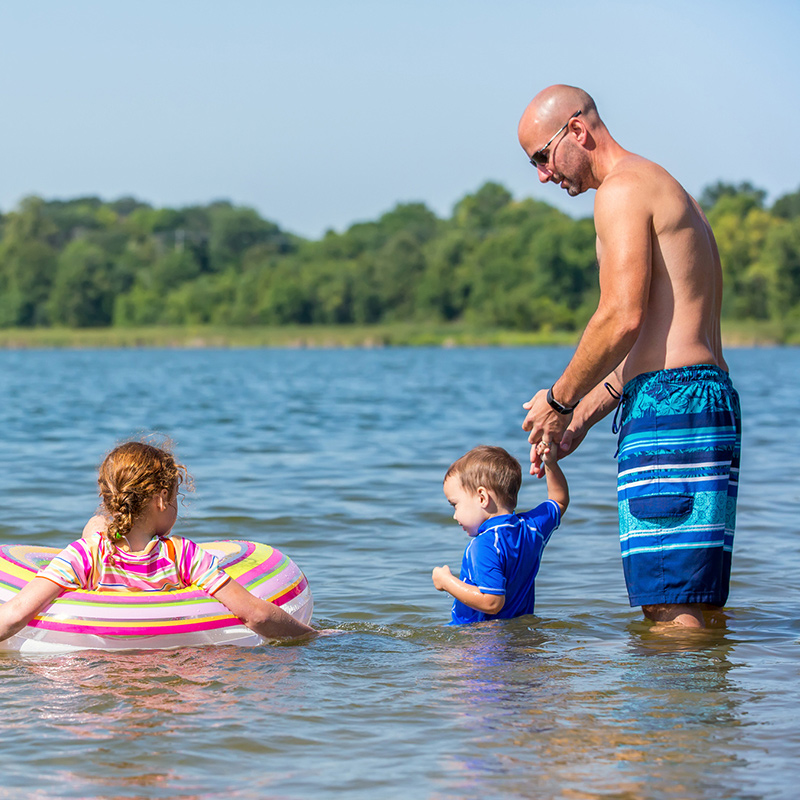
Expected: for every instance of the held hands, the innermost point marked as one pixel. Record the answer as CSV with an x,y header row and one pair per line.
x,y
440,577
547,452
544,424
542,421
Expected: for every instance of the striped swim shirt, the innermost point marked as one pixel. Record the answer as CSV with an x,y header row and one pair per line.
x,y
166,564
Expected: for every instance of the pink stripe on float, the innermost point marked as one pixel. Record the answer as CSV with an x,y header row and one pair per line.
x,y
292,592
134,629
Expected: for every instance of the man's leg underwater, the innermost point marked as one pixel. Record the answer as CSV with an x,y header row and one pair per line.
x,y
687,615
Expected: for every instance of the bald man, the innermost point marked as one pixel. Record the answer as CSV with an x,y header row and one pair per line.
x,y
653,347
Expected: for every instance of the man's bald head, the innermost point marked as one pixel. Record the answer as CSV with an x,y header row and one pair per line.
x,y
552,107
565,138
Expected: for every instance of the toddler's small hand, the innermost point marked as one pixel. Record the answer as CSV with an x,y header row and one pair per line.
x,y
440,575
548,452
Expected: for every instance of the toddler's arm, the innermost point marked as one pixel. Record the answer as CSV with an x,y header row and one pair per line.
x,y
24,606
261,616
471,596
557,489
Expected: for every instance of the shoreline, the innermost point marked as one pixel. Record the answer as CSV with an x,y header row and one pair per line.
x,y
736,334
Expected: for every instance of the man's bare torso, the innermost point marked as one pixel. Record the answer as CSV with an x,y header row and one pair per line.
x,y
681,323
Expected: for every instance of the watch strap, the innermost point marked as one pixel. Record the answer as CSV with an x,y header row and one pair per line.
x,y
559,407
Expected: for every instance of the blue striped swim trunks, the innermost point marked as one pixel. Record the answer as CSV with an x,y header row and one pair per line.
x,y
679,446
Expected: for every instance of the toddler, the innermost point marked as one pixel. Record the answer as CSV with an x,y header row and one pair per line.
x,y
129,548
503,556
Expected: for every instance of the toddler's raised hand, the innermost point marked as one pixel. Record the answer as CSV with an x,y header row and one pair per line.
x,y
547,452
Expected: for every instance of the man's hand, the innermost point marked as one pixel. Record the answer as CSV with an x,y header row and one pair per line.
x,y
544,424
571,439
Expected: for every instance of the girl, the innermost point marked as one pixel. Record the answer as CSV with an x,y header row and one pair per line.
x,y
129,548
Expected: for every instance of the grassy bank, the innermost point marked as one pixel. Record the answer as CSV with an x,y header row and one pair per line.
x,y
395,335
399,334
758,334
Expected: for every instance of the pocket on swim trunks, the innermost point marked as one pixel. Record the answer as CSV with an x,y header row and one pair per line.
x,y
659,506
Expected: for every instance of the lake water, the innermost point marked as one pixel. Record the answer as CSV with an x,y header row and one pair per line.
x,y
337,458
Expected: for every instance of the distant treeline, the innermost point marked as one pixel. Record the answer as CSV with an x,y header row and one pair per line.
x,y
521,265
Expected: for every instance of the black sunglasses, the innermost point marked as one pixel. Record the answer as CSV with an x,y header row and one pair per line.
x,y
541,156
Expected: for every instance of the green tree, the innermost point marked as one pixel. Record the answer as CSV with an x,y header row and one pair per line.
x,y
779,264
413,219
26,275
235,230
83,290
741,229
479,211
27,264
751,196
399,265
787,206
444,289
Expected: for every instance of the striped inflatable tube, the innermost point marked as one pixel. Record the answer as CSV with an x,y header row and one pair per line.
x,y
81,620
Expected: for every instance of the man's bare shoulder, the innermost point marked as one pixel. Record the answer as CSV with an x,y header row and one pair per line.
x,y
630,173
635,183
626,189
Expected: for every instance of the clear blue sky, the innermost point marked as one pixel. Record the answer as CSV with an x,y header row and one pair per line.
x,y
320,113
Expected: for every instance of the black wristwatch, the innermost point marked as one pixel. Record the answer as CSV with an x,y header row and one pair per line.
x,y
556,406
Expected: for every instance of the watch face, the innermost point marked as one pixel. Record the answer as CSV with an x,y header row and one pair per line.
x,y
555,405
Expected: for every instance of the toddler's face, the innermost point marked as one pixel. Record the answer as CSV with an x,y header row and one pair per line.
x,y
467,509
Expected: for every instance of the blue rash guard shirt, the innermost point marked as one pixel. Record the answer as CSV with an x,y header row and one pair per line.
x,y
504,558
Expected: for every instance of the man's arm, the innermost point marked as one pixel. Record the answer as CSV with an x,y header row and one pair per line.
x,y
624,229
623,224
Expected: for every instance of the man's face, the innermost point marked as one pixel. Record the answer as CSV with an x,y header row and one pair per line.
x,y
566,167
566,163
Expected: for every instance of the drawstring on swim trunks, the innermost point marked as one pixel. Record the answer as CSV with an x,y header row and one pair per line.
x,y
618,397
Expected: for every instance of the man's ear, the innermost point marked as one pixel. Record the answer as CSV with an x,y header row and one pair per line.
x,y
582,133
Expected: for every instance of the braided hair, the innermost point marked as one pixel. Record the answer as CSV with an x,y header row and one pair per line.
x,y
129,476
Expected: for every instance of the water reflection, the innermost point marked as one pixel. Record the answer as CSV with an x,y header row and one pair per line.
x,y
562,714
109,706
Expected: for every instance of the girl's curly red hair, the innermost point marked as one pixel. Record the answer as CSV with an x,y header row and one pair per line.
x,y
129,476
